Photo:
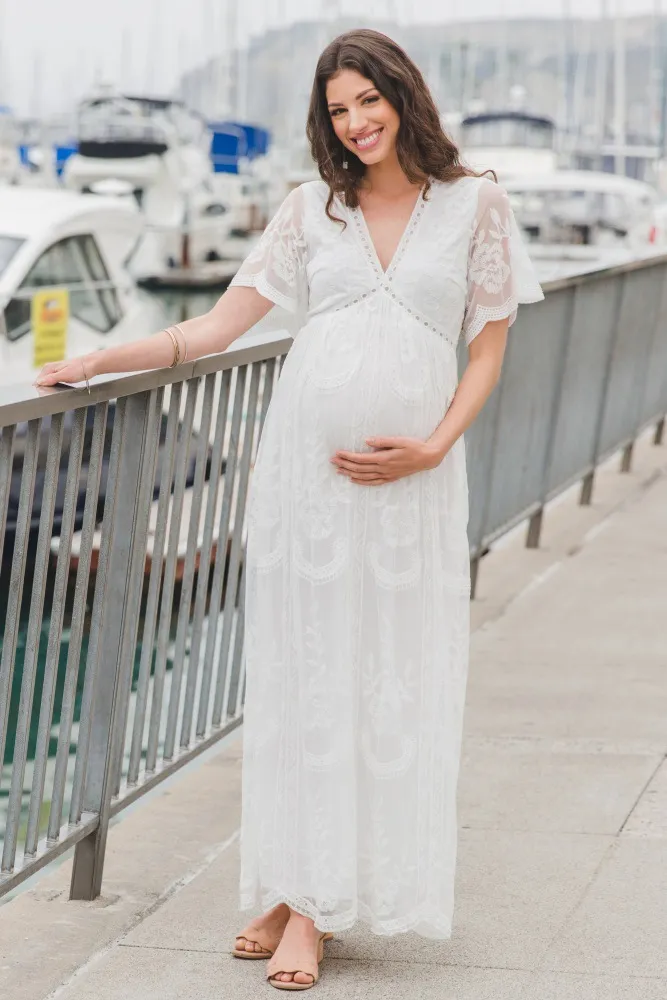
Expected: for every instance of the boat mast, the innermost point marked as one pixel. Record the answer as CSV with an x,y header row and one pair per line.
x,y
503,60
564,115
600,110
156,47
214,105
582,57
231,29
662,88
656,74
36,87
3,74
620,137
125,61
239,62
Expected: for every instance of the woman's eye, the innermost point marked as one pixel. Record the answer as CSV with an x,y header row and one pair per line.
x,y
336,111
372,99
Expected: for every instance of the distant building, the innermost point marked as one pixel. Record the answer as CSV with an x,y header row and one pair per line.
x,y
555,63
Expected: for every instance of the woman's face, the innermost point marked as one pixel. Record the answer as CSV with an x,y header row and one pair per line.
x,y
364,120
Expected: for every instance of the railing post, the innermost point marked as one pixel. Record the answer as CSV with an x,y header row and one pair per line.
x,y
474,573
626,457
119,525
534,532
586,495
659,431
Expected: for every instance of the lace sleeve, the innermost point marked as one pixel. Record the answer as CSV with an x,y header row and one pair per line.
x,y
500,273
277,265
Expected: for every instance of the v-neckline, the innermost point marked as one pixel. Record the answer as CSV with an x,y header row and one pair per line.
x,y
369,244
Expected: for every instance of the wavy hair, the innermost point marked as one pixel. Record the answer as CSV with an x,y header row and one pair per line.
x,y
424,149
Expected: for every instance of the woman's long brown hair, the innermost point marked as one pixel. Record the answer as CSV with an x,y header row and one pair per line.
x,y
424,149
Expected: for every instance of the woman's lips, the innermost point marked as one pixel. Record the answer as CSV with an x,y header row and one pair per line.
x,y
368,141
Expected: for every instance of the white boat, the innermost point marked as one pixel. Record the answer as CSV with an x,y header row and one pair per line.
x,y
586,207
512,143
58,239
285,168
153,151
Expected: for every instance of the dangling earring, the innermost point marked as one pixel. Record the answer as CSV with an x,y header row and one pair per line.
x,y
344,164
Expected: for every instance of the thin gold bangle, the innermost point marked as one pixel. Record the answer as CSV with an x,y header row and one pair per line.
x,y
175,346
85,376
185,343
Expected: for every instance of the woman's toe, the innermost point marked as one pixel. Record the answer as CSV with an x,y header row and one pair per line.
x,y
302,978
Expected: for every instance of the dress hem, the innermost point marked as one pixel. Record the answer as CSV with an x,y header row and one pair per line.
x,y
346,921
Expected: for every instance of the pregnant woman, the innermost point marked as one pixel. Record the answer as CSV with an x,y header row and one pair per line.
x,y
357,559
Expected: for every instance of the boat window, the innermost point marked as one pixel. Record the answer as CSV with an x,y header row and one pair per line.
x,y
504,132
8,247
17,318
108,295
74,263
215,208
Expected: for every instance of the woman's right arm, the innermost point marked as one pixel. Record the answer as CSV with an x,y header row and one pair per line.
x,y
235,312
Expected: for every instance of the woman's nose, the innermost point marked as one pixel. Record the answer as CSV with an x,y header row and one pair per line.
x,y
358,120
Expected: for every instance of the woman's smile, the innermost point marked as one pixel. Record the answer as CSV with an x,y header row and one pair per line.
x,y
368,140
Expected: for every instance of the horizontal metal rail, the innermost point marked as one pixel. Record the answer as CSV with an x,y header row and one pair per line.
x,y
122,542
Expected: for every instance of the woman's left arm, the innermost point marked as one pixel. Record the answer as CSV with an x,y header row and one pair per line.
x,y
396,457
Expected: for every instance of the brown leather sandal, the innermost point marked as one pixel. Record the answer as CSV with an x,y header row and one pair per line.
x,y
255,935
305,967
244,953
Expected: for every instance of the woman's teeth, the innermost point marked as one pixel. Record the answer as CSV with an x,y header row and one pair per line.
x,y
368,140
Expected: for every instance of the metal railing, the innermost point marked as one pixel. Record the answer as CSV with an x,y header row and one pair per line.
x,y
123,647
153,610
585,373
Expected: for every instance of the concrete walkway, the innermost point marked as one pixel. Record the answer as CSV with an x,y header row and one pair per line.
x,y
562,877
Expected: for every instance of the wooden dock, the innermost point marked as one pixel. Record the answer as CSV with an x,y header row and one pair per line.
x,y
214,274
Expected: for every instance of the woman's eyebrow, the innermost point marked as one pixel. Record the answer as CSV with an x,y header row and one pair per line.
x,y
338,104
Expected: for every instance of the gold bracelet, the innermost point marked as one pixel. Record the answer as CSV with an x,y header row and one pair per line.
x,y
85,376
178,346
185,343
175,345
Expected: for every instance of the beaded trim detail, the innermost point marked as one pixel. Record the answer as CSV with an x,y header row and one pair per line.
x,y
416,315
371,253
359,298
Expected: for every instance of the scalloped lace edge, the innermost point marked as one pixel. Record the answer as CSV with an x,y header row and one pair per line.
x,y
416,921
487,314
265,288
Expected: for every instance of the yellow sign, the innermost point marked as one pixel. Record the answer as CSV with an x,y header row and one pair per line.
x,y
49,317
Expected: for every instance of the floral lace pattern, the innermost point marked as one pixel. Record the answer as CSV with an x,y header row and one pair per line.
x,y
489,267
276,266
357,599
493,285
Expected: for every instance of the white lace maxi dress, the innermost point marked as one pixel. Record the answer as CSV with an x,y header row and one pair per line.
x,y
357,597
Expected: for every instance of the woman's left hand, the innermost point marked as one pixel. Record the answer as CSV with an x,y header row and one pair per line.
x,y
391,459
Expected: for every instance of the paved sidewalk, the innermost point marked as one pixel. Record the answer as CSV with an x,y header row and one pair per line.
x,y
562,877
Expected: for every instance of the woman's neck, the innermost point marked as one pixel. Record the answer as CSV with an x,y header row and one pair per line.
x,y
386,178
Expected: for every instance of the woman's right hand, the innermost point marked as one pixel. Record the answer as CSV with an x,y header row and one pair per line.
x,y
71,371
